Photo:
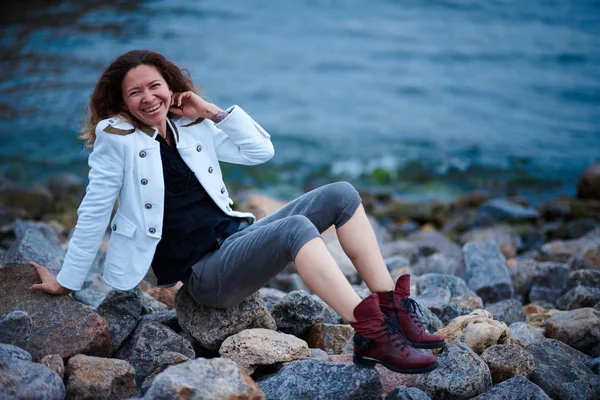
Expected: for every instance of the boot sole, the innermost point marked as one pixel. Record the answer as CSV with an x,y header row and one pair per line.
x,y
366,362
438,345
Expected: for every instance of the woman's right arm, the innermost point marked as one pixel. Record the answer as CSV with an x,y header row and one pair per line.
x,y
106,178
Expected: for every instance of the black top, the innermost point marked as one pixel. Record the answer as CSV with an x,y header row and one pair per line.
x,y
192,221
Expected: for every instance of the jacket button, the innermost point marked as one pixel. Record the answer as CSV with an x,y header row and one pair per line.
x,y
144,181
152,230
114,227
142,154
210,170
148,206
111,121
198,148
223,190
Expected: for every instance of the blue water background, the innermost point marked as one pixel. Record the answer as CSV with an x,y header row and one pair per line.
x,y
423,98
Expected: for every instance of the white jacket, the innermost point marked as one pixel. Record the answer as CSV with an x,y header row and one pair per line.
x,y
125,164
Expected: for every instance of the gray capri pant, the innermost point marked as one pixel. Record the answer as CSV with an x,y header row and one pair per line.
x,y
250,258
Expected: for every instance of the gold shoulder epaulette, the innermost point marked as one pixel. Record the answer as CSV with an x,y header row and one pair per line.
x,y
117,131
194,122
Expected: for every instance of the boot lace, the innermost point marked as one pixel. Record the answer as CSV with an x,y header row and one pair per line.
x,y
393,333
413,308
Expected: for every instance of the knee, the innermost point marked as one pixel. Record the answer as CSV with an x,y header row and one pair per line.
x,y
341,192
298,229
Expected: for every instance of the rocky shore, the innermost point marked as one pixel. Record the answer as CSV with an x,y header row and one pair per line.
x,y
515,289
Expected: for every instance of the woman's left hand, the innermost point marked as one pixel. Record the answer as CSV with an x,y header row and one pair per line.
x,y
190,105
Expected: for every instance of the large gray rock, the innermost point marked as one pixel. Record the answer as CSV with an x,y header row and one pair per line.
x,y
61,325
486,271
439,263
312,379
146,345
575,354
584,277
217,378
13,352
168,318
507,311
518,387
535,280
36,241
507,361
99,378
16,328
407,393
579,329
579,297
453,310
501,210
461,374
435,242
297,312
560,376
211,326
121,309
506,238
594,365
20,379
526,334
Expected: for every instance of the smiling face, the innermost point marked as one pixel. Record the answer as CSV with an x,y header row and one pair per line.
x,y
147,96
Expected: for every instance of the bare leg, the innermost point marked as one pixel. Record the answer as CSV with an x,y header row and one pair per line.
x,y
323,276
360,245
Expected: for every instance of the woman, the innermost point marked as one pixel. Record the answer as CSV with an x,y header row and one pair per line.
x,y
156,148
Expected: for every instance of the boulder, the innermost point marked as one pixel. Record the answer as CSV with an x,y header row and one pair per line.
x,y
525,333
584,277
333,338
121,309
461,374
579,297
55,363
99,378
16,328
217,378
579,329
255,347
453,310
436,291
13,352
506,238
143,350
61,325
539,281
594,365
21,379
298,311
486,271
560,376
588,185
439,263
507,311
211,326
407,393
508,360
477,330
518,387
313,379
501,210
36,241
587,257
167,318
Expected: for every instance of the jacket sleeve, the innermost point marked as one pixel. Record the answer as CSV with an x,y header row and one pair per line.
x,y
105,180
241,140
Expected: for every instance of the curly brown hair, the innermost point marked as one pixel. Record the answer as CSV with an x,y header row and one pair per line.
x,y
107,99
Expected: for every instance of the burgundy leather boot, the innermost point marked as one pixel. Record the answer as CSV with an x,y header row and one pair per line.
x,y
398,305
377,340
